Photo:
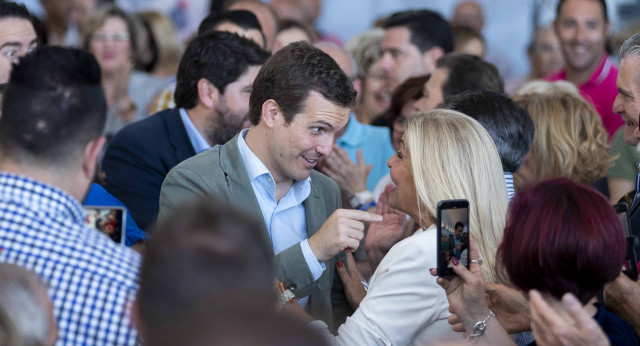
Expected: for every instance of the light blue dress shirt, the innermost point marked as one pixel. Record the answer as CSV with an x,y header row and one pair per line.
x,y
375,142
197,140
285,219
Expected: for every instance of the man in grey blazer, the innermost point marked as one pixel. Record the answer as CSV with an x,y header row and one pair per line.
x,y
300,100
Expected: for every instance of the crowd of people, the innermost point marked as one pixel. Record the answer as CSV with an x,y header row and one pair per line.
x,y
263,183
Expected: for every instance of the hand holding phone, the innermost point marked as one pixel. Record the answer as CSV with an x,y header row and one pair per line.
x,y
452,223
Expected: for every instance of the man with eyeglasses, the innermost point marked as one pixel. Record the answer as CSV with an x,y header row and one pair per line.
x,y
17,36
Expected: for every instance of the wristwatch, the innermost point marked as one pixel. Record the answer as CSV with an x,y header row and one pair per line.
x,y
360,198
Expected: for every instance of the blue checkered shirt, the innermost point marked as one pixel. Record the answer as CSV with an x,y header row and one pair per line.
x,y
92,281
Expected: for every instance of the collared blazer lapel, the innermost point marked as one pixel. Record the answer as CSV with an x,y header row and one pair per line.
x,y
240,189
178,137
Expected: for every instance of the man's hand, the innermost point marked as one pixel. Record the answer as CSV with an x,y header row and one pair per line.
x,y
342,231
549,328
352,281
383,235
351,178
622,296
509,306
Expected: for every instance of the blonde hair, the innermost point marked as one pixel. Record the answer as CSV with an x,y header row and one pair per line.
x,y
542,86
164,34
365,49
569,139
453,157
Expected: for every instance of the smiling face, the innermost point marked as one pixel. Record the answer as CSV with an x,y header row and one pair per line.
x,y
627,103
376,93
403,197
111,45
295,148
582,31
17,38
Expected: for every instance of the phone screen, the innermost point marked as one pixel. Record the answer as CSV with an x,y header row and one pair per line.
x,y
108,220
453,234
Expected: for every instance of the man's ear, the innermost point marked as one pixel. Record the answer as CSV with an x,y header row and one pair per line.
x,y
208,93
90,157
430,57
607,29
270,113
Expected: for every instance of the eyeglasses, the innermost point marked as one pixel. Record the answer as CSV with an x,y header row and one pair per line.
x,y
400,124
115,37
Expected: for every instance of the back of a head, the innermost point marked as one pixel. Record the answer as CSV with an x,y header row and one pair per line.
x,y
408,91
242,18
197,261
510,126
469,73
219,57
53,106
291,74
10,9
453,157
569,139
25,319
428,29
562,237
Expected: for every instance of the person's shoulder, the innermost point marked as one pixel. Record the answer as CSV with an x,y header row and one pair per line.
x,y
617,330
323,182
146,131
417,247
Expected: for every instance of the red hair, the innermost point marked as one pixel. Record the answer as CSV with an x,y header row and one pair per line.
x,y
561,237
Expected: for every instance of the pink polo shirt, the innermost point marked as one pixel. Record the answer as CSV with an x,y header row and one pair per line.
x,y
601,90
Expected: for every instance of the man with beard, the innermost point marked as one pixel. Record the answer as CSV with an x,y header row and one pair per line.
x,y
215,78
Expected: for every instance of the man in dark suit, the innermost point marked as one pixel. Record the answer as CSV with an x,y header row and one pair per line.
x,y
215,78
299,102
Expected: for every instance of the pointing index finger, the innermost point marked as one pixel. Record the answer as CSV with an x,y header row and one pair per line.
x,y
361,215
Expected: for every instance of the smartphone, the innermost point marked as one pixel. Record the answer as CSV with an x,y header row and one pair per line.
x,y
109,220
453,234
630,265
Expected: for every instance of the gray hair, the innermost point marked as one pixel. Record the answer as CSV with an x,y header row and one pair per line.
x,y
24,319
365,48
631,47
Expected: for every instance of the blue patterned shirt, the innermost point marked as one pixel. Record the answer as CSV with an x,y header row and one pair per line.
x,y
92,281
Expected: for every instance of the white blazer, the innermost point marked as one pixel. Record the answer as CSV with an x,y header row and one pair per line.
x,y
404,304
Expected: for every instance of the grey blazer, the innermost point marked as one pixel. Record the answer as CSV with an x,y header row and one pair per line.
x,y
220,171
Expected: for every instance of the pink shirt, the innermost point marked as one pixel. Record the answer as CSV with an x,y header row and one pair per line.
x,y
601,90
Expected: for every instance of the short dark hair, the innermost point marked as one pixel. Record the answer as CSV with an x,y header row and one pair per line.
x,y
219,57
10,9
53,106
458,224
602,3
291,74
561,237
469,73
197,260
508,124
242,18
428,29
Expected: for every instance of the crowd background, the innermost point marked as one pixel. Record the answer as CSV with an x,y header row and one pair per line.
x,y
470,100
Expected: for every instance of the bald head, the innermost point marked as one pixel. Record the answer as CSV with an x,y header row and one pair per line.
x,y
265,16
469,14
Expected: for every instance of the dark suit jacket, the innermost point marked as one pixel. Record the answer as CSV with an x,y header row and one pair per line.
x,y
139,157
220,171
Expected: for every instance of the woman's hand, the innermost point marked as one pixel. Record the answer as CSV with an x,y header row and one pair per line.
x,y
510,307
381,236
465,291
549,328
352,281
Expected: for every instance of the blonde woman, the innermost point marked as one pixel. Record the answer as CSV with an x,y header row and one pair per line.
x,y
569,140
443,155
